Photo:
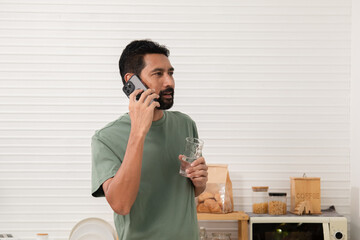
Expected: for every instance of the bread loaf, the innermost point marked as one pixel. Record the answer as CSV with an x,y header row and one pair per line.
x,y
201,208
212,205
204,196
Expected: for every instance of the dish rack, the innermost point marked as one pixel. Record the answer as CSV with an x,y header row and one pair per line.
x,y
7,236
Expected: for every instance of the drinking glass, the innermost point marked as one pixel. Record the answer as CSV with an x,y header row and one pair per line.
x,y
192,151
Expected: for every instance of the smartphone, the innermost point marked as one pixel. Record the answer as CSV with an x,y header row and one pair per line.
x,y
133,84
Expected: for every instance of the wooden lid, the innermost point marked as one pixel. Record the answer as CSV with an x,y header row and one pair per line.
x,y
304,178
260,188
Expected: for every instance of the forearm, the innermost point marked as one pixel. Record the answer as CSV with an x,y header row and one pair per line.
x,y
123,188
199,190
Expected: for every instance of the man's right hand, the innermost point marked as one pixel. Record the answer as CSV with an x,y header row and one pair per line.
x,y
142,112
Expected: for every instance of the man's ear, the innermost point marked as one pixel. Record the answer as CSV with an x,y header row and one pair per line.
x,y
128,76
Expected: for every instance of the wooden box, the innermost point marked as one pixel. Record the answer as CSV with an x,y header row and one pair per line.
x,y
305,189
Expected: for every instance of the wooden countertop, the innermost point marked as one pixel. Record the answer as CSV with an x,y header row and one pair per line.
x,y
223,216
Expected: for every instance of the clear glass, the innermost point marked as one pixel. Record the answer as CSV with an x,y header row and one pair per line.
x,y
192,151
203,235
277,205
221,236
260,200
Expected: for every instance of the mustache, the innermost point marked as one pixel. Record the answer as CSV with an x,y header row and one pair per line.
x,y
167,91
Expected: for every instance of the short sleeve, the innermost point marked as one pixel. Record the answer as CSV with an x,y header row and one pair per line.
x,y
195,132
105,164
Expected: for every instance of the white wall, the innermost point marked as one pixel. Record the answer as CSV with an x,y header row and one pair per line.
x,y
267,82
355,121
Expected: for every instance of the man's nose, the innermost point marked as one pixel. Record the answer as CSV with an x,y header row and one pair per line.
x,y
169,80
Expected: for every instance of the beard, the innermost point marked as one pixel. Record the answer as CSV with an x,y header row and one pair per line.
x,y
166,99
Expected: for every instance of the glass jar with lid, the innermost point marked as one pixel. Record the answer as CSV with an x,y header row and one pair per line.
x,y
260,199
42,236
277,203
221,236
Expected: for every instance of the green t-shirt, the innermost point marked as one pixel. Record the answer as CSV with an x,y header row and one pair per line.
x,y
165,204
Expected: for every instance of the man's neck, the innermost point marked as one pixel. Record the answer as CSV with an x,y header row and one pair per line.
x,y
158,114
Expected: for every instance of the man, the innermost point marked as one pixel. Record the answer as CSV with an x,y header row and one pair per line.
x,y
136,161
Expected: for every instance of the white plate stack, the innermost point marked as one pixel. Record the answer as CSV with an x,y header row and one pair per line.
x,y
93,229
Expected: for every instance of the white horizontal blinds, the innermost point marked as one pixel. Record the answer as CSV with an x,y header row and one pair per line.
x,y
266,81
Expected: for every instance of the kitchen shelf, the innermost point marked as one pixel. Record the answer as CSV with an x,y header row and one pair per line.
x,y
240,216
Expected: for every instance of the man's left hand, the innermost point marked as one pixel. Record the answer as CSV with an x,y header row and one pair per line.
x,y
197,172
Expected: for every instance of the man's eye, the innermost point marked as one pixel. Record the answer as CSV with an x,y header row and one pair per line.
x,y
158,73
171,73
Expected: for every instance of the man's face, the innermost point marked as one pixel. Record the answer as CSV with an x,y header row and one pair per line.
x,y
158,74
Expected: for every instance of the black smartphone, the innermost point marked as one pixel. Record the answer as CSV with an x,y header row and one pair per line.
x,y
133,84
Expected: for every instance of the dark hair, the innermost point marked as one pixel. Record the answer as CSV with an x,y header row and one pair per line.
x,y
132,58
